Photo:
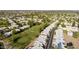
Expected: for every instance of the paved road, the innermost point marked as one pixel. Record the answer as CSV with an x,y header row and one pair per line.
x,y
49,43
50,39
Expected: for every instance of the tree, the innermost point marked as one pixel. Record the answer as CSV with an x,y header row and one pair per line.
x,y
31,23
78,25
73,24
63,25
1,45
1,36
13,33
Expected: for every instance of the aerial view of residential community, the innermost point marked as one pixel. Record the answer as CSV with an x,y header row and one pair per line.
x,y
39,29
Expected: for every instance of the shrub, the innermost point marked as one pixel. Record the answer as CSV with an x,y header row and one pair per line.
x,y
73,24
76,34
63,25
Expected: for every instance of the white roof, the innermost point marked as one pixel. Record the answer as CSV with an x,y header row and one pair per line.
x,y
36,47
8,33
70,33
59,33
38,44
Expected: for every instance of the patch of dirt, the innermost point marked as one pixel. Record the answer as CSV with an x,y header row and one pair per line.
x,y
75,41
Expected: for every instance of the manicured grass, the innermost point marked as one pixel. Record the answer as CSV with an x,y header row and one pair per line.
x,y
24,38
